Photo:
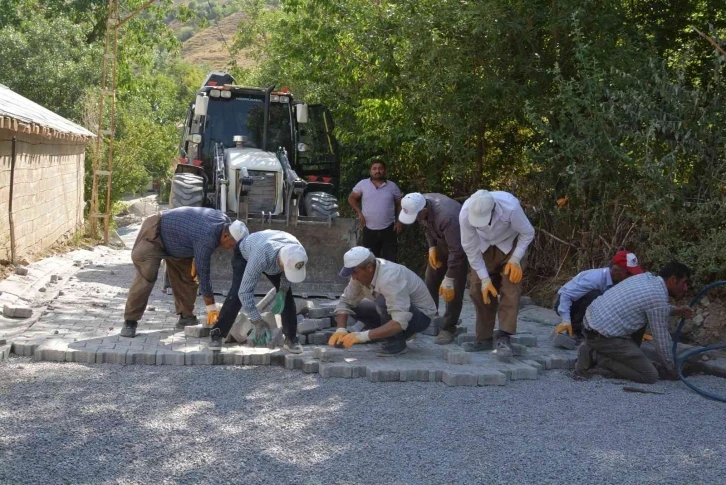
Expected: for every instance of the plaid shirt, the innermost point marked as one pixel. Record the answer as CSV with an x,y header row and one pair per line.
x,y
631,305
193,232
260,250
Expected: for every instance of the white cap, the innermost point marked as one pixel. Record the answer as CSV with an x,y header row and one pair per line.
x,y
411,205
480,208
294,259
352,258
238,230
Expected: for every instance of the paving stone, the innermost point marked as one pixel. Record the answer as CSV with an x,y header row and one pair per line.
x,y
21,270
17,311
491,377
303,339
24,349
431,330
459,358
310,366
335,369
5,352
3,341
169,357
526,339
564,341
559,362
310,325
455,378
382,374
139,356
517,371
460,330
322,312
51,351
42,289
111,356
419,374
535,364
518,350
277,358
197,331
81,356
293,361
318,338
54,278
465,337
199,357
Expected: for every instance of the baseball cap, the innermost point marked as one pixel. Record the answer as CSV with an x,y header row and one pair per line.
x,y
626,259
352,258
480,208
411,205
294,259
238,230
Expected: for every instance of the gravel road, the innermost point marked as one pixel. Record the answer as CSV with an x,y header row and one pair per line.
x,y
70,423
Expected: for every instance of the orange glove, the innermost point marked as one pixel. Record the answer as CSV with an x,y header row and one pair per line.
x,y
355,338
487,290
564,326
337,337
434,259
212,314
647,337
194,272
514,270
447,289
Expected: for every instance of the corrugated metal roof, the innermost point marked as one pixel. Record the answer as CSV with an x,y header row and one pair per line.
x,y
17,107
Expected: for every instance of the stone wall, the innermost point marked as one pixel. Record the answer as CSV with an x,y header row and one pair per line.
x,y
47,192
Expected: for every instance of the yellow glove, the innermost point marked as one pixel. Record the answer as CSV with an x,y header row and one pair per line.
x,y
355,338
194,272
514,270
212,314
647,337
487,289
337,337
434,259
447,289
564,325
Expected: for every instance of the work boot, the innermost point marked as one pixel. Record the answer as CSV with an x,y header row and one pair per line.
x,y
502,346
215,339
292,345
478,345
129,329
186,321
444,338
390,348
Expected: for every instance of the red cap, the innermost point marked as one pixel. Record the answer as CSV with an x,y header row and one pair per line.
x,y
627,260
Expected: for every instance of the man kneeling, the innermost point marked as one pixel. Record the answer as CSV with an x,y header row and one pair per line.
x,y
398,303
614,325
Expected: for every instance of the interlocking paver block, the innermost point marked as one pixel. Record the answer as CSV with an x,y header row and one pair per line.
x,y
257,359
518,349
310,366
21,270
335,369
418,374
310,325
51,351
563,341
318,338
381,374
5,352
535,364
322,312
139,356
293,361
491,378
169,357
431,330
454,378
465,337
526,339
199,357
197,331
111,356
458,358
17,311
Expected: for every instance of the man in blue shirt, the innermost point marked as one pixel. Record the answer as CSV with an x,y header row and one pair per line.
x,y
179,236
578,293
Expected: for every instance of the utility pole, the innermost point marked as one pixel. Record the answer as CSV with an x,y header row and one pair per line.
x,y
108,88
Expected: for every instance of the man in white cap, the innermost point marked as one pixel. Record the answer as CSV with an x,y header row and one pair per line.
x,y
447,269
495,234
183,237
390,299
575,296
281,258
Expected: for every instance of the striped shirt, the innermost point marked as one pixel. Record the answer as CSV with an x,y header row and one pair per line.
x,y
401,287
193,232
631,305
260,250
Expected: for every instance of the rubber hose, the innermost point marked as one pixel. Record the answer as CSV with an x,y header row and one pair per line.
x,y
679,361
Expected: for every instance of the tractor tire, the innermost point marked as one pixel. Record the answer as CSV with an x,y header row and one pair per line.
x,y
320,204
187,190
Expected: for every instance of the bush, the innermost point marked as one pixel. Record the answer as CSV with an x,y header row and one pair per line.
x,y
185,33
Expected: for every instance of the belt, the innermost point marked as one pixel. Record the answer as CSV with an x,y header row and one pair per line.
x,y
592,334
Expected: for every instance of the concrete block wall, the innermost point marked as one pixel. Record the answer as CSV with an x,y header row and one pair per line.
x,y
47,192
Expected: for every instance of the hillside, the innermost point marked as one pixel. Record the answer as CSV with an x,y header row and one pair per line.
x,y
207,47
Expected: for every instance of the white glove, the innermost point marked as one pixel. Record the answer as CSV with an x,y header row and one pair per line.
x,y
448,283
515,260
212,308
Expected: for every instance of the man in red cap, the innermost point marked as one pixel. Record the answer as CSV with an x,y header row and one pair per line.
x,y
578,293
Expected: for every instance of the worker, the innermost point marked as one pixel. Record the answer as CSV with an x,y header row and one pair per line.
x,y
447,266
615,322
180,237
577,294
390,299
495,234
281,258
377,201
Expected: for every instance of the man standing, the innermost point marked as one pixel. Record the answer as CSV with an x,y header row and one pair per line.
x,y
614,324
495,234
577,294
179,236
398,303
447,268
282,259
381,201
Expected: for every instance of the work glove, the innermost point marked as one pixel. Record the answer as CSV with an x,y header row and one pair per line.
x,y
647,337
193,272
434,259
487,289
260,334
447,289
514,270
355,338
565,325
337,337
212,314
279,304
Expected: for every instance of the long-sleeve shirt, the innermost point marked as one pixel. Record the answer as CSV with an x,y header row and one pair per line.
x,y
260,250
442,228
508,223
593,279
401,288
193,232
629,306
